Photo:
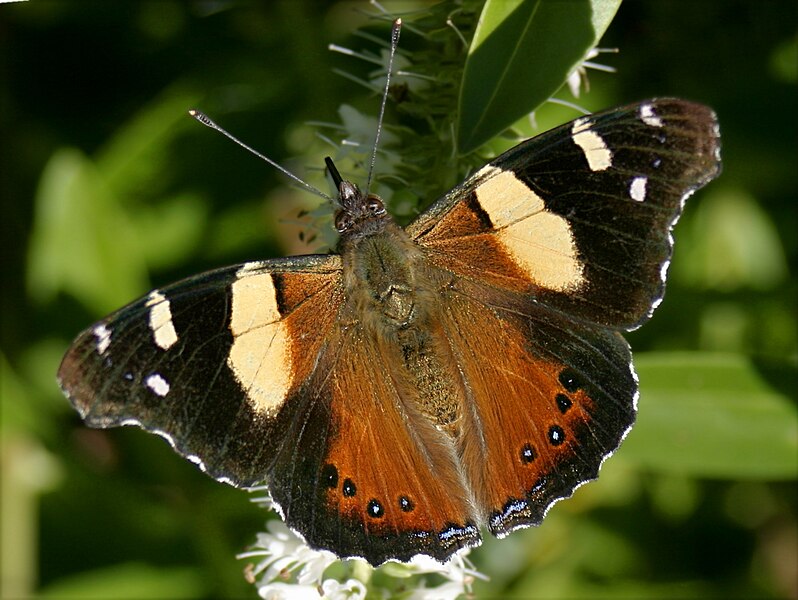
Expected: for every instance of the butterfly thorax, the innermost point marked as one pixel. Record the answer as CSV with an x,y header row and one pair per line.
x,y
380,263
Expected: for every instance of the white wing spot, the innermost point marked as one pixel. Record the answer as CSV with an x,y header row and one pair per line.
x,y
249,268
637,189
649,117
157,384
598,156
103,335
163,330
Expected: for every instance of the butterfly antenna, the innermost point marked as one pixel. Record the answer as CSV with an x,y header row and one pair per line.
x,y
206,120
337,179
397,27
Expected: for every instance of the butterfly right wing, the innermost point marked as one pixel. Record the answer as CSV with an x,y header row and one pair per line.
x,y
210,362
545,254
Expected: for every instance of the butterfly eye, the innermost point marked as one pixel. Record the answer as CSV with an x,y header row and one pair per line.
x,y
375,205
343,221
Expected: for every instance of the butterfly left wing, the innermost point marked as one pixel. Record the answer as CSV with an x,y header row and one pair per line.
x,y
550,251
209,362
580,217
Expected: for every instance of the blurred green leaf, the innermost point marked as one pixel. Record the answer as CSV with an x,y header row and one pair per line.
x,y
237,228
16,413
674,496
733,243
132,580
85,242
31,401
82,242
713,415
784,61
132,158
521,54
170,231
560,585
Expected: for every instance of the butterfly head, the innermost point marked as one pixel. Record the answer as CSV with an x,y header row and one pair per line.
x,y
358,214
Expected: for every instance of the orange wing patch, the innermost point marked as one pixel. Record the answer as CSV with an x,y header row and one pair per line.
x,y
537,427
387,468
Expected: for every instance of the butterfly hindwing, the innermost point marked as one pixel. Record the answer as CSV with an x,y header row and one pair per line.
x,y
580,217
208,362
362,471
555,402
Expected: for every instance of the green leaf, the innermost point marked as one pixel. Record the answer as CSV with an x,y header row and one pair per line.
x,y
170,231
130,580
83,242
134,157
733,243
93,237
714,415
521,54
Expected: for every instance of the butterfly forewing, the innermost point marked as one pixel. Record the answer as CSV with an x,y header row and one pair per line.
x,y
580,217
208,362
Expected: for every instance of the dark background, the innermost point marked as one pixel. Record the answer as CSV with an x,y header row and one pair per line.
x,y
121,505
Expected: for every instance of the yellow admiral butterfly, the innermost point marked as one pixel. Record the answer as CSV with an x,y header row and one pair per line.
x,y
421,384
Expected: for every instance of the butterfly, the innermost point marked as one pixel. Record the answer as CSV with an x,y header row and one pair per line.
x,y
421,385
